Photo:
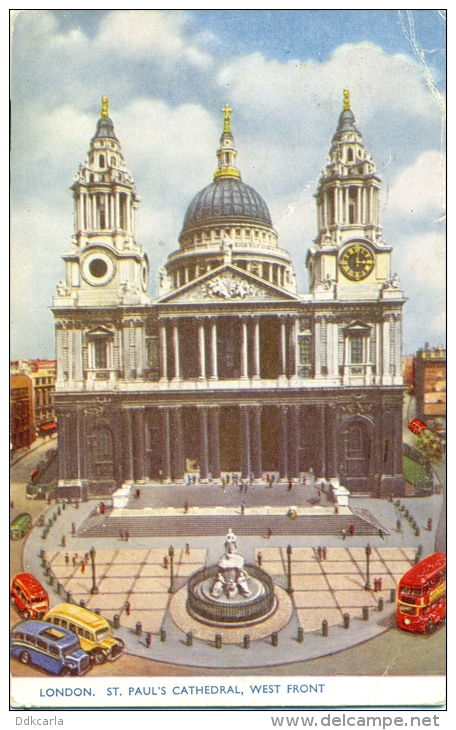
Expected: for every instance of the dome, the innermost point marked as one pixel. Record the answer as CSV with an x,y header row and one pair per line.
x,y
226,200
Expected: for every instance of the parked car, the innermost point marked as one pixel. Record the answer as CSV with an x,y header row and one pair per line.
x,y
56,650
29,596
20,526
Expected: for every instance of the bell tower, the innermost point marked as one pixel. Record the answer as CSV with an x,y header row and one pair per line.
x,y
350,261
105,265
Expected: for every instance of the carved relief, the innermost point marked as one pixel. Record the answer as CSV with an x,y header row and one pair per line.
x,y
228,286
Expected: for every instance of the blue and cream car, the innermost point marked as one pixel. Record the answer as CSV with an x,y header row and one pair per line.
x,y
52,648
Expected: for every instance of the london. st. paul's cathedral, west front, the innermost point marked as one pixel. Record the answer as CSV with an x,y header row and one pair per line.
x,y
229,368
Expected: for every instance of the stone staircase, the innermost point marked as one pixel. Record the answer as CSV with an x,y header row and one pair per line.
x,y
213,525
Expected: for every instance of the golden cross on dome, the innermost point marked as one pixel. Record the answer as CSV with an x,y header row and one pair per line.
x,y
104,107
226,111
346,100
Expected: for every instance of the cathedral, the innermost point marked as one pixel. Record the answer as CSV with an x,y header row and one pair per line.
x,y
230,368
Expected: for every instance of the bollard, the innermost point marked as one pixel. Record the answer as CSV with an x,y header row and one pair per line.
x,y
162,634
97,611
246,641
365,613
54,517
393,595
44,535
406,512
82,603
59,510
346,618
73,528
380,604
189,639
300,635
42,553
63,541
324,627
417,532
417,558
77,504
218,641
274,638
116,620
58,588
68,597
138,629
63,505
47,570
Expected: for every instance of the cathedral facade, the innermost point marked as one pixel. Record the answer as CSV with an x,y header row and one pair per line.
x,y
229,369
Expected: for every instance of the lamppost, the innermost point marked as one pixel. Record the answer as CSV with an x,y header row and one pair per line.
x,y
289,587
368,553
171,564
94,589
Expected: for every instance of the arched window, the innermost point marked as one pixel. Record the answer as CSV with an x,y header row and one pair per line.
x,y
356,347
101,160
113,161
349,155
103,443
355,441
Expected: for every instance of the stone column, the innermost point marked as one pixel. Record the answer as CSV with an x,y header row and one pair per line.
x,y
320,471
283,443
177,368
386,349
94,212
165,445
214,353
202,349
292,348
245,442
204,451
178,459
283,348
139,446
117,210
331,441
256,442
294,441
163,352
127,470
214,441
244,350
81,444
256,348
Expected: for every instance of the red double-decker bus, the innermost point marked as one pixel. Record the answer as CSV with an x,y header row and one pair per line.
x,y
421,599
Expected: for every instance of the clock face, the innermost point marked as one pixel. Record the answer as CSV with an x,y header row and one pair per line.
x,y
356,262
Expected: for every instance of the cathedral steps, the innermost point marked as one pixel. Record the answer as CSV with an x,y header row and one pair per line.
x,y
258,525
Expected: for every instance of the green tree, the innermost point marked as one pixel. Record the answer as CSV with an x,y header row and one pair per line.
x,y
429,445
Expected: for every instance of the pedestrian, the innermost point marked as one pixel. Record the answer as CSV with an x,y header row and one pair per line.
x,y
102,508
227,478
290,485
269,533
429,524
246,486
336,509
74,561
127,607
259,559
194,479
242,508
138,493
398,526
127,535
165,562
240,487
319,553
223,484
67,559
267,479
186,507
12,504
323,552
379,584
375,585
351,529
380,532
319,495
344,533
148,639
187,548
83,567
87,557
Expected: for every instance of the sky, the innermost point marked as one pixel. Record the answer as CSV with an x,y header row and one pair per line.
x,y
168,73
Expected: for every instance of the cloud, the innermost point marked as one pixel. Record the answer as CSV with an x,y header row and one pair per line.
x,y
148,33
420,188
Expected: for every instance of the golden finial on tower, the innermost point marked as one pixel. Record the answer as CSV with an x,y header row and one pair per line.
x,y
104,107
226,111
346,100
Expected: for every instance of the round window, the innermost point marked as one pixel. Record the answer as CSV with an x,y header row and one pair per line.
x,y
98,268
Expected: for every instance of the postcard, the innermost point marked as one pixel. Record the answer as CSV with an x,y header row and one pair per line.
x,y
228,362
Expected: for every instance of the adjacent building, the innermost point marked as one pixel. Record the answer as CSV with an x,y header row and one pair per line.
x,y
430,386
230,368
